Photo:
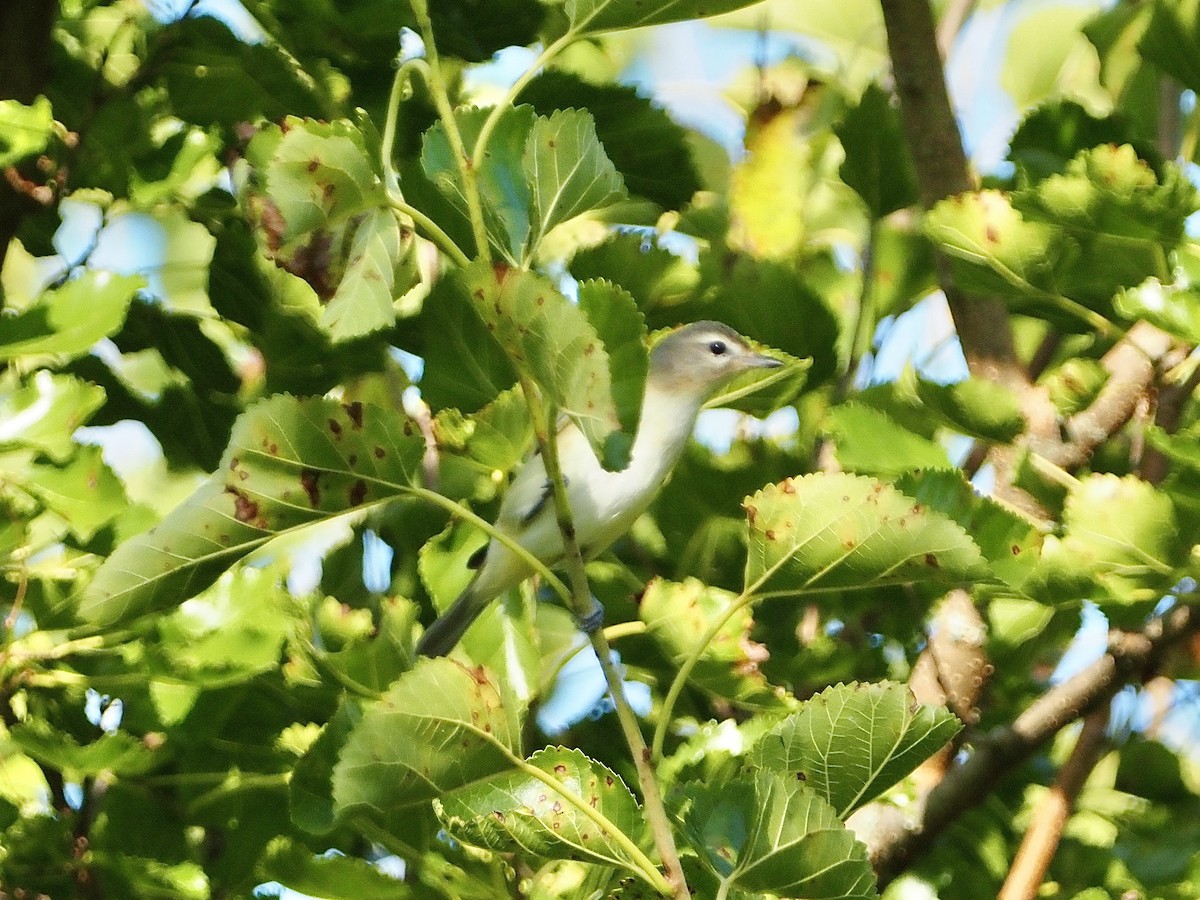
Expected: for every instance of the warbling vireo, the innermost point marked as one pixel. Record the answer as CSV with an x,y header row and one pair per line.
x,y
686,369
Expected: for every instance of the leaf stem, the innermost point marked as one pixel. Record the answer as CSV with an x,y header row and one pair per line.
x,y
391,180
510,97
441,99
544,418
444,242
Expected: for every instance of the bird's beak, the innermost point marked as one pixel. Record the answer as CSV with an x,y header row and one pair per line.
x,y
762,361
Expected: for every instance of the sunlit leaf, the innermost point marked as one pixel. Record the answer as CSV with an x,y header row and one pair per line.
x,y
589,16
69,320
528,315
851,742
869,441
771,832
677,616
567,171
44,412
582,815
85,492
25,129
827,531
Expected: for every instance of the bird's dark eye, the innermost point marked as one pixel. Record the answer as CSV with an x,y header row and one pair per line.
x,y
717,348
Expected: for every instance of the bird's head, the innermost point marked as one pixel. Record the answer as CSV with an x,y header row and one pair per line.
x,y
699,358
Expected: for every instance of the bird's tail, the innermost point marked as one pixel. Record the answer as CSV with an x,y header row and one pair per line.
x,y
440,637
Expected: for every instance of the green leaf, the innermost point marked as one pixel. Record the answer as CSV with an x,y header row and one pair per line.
x,y
581,816
1041,49
25,129
45,411
1172,40
678,614
310,790
567,171
505,196
1010,543
554,340
213,78
993,249
870,442
333,877
772,833
85,492
852,742
656,278
1121,544
642,140
877,163
1122,213
69,320
615,316
321,213
767,302
1176,310
902,267
825,531
229,633
289,463
439,728
465,366
593,16
380,267
975,407
119,752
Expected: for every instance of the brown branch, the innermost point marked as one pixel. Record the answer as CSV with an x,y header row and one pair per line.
x,y
895,842
941,169
1053,810
1131,364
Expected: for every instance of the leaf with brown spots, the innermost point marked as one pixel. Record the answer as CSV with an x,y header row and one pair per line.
x,y
553,338
439,727
546,816
287,466
843,531
851,742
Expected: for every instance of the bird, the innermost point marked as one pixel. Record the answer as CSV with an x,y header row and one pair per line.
x,y
686,369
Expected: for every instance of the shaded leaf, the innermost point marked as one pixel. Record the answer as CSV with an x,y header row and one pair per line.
x,y
465,366
852,742
826,531
642,140
439,728
333,877
877,163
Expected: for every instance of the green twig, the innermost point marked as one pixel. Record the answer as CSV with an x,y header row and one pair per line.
x,y
441,99
510,97
582,604
391,180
